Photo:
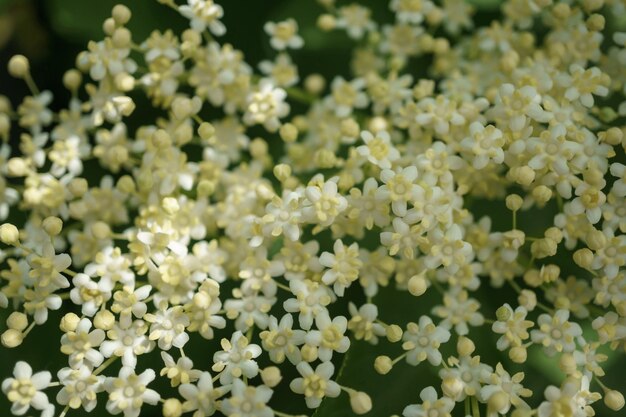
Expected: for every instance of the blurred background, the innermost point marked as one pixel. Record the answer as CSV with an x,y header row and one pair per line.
x,y
52,32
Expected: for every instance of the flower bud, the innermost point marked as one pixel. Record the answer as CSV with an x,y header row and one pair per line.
x,y
104,320
172,407
282,172
52,225
360,402
567,363
614,400
595,239
309,353
527,299
12,338
583,258
503,313
121,14
9,234
417,285
452,387
17,321
78,187
170,205
518,354
513,202
19,66
326,22
17,167
271,376
72,79
206,131
69,322
498,402
288,132
394,333
383,364
314,83
542,194
465,346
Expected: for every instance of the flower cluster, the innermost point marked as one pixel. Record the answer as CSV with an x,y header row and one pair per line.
x,y
258,201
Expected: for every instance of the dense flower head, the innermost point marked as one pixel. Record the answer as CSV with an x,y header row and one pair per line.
x,y
267,214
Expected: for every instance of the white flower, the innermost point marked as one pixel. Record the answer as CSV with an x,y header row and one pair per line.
x,y
281,341
458,311
127,342
347,96
284,35
80,343
266,106
311,300
80,388
315,385
24,390
180,371
89,294
356,19
422,341
128,392
329,337
485,143
512,325
399,188
556,333
364,323
501,382
200,397
432,405
203,14
236,359
129,302
168,327
323,203
378,149
343,264
247,401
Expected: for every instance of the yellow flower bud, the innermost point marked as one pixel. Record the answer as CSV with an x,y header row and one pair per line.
x,y
417,285
9,234
394,333
52,225
12,338
19,66
383,364
271,376
172,407
614,400
360,402
69,322
17,321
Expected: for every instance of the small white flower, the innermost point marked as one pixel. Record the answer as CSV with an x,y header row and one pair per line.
x,y
281,341
80,388
330,336
432,405
247,401
80,343
128,392
315,385
236,359
343,264
24,390
378,149
284,35
556,333
422,341
203,14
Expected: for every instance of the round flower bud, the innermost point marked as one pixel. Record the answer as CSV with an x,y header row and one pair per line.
x,y
314,83
326,22
596,22
72,79
503,314
206,188
282,172
309,353
525,175
542,194
513,202
126,184
17,321
596,240
360,402
350,128
19,66
271,376
108,26
288,132
567,363
124,82
69,322
417,285
518,354
377,124
258,148
78,187
499,401
452,387
9,234
393,333
614,400
383,364
104,320
172,407
206,131
100,230
527,299
465,346
12,338
52,225
121,14
17,167
554,233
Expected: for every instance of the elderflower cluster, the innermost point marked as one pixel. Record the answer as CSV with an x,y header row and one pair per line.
x,y
262,212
